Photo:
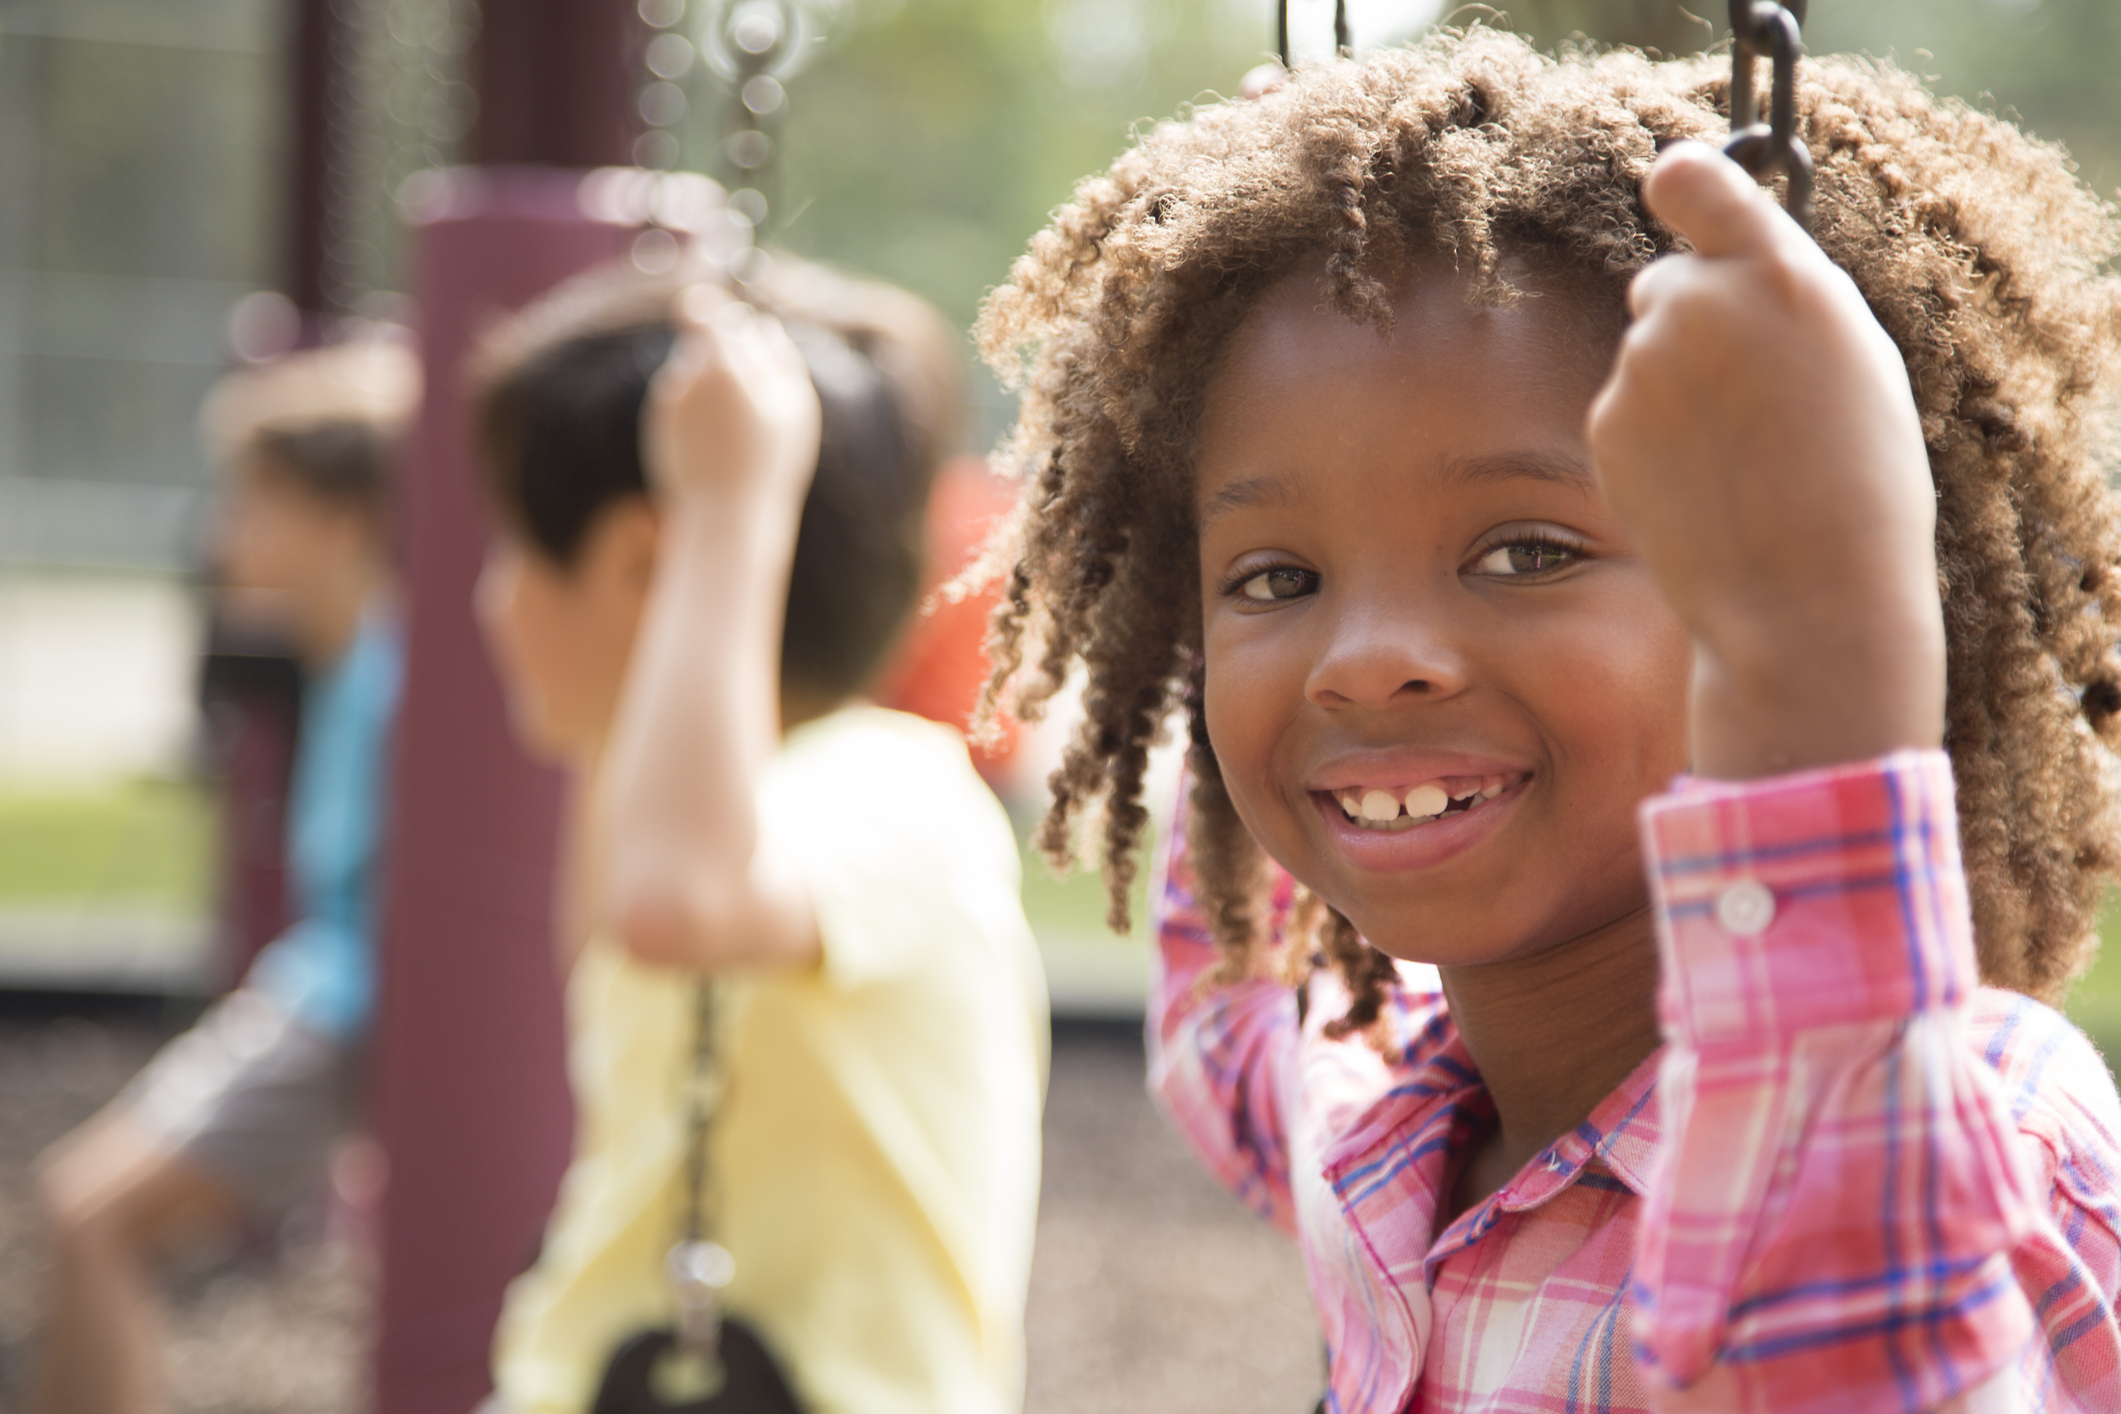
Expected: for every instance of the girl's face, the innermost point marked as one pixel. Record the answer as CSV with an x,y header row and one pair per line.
x,y
1438,678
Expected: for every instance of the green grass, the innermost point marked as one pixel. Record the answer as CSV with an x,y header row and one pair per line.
x,y
143,845
2104,980
2095,1003
1075,903
151,845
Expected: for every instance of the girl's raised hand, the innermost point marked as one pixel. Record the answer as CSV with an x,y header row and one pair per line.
x,y
732,412
1759,437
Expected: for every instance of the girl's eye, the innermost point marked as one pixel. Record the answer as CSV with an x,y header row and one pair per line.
x,y
1278,584
1523,557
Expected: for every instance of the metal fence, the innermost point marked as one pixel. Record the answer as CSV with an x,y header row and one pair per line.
x,y
143,153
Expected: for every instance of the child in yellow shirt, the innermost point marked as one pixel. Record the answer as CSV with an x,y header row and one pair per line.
x,y
685,603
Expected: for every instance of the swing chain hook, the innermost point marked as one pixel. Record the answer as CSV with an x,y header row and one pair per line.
x,y
1343,43
1763,149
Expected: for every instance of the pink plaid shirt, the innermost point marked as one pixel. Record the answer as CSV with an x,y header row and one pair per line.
x,y
1852,1180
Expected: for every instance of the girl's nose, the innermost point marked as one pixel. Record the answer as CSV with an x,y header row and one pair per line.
x,y
1373,658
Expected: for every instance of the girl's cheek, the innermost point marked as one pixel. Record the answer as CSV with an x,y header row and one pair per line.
x,y
1252,695
1633,670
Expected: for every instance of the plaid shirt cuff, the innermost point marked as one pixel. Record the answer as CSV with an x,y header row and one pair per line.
x,y
1824,898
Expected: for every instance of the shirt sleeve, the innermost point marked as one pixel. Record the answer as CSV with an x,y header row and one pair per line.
x,y
1853,1211
1221,1059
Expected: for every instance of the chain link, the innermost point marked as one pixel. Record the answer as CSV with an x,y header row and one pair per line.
x,y
1764,149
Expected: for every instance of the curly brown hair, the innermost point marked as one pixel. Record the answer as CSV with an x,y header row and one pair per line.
x,y
1978,249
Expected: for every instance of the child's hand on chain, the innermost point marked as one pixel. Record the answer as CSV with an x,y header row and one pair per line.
x,y
730,436
1759,437
732,418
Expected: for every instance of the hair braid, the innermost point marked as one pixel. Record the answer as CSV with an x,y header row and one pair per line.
x,y
1369,974
1229,862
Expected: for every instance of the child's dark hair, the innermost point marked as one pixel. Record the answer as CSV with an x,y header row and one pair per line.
x,y
325,421
1977,248
345,463
559,391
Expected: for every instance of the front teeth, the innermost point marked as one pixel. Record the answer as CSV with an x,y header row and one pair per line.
x,y
1428,799
1380,809
1379,806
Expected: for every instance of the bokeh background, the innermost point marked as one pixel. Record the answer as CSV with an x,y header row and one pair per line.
x,y
144,146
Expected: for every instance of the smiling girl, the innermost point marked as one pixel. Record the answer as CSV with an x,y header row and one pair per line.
x,y
1674,660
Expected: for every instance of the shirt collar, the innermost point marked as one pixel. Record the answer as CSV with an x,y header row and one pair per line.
x,y
1614,1142
1391,1168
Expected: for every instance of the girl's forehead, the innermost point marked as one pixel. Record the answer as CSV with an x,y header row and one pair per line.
x,y
1537,324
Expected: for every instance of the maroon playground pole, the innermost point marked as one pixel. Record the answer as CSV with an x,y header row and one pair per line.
x,y
316,91
470,1091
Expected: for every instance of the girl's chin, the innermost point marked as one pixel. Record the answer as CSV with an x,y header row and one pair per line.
x,y
1413,955
1385,927
1418,928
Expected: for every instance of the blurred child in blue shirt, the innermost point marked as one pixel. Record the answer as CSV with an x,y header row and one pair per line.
x,y
233,1122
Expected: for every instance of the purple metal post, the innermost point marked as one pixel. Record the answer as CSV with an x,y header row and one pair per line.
x,y
471,1095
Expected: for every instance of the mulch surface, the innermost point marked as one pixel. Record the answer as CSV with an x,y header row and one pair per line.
x,y
1151,1290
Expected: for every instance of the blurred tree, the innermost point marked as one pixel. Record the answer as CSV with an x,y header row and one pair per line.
x,y
926,143
1663,26
931,138
2048,63
2051,64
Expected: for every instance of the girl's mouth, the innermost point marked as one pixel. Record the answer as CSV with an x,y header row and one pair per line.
x,y
1394,810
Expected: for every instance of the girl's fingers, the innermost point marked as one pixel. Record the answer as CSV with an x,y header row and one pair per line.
x,y
1261,80
1656,283
1710,200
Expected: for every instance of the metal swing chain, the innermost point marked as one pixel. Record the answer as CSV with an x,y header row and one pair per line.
x,y
1342,42
699,1267
1763,149
753,46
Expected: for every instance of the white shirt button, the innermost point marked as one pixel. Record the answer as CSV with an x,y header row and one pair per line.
x,y
1745,908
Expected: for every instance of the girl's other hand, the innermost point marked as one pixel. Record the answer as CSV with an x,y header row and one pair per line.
x,y
1262,79
732,413
1759,437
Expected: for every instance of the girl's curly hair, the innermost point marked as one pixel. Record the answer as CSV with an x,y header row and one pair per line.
x,y
1978,249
